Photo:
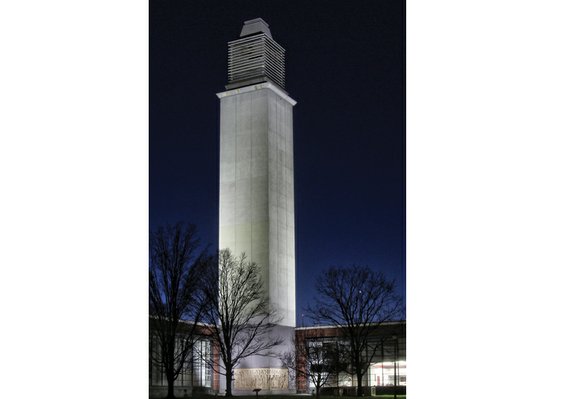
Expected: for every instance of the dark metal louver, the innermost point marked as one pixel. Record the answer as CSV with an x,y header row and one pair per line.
x,y
255,57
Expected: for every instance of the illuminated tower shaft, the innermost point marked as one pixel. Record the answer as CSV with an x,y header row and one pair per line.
x,y
256,204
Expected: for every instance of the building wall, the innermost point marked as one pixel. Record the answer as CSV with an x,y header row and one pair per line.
x,y
196,376
388,362
256,209
381,374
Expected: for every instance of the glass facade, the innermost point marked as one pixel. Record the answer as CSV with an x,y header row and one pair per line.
x,y
196,371
385,351
388,373
202,372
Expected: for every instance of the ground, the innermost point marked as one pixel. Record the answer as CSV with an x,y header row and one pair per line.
x,y
301,396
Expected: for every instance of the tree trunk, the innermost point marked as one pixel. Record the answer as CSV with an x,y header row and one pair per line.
x,y
170,383
169,370
359,388
229,373
317,392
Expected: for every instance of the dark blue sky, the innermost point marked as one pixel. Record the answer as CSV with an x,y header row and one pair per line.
x,y
345,67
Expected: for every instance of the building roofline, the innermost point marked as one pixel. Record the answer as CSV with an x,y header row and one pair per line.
x,y
266,85
199,323
386,323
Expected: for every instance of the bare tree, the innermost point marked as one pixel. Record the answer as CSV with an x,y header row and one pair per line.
x,y
313,359
239,311
357,300
175,296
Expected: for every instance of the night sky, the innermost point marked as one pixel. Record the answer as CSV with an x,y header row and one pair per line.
x,y
345,67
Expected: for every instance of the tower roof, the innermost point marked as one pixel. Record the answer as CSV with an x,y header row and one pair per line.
x,y
253,26
255,57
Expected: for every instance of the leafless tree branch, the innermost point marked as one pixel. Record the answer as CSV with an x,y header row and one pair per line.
x,y
356,300
175,295
239,310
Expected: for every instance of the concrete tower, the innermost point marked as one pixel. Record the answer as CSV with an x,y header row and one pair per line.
x,y
256,208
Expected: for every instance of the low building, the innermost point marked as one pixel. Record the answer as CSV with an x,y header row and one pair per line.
x,y
197,374
387,369
387,372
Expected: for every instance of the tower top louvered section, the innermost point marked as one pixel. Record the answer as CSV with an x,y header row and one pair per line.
x,y
255,57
